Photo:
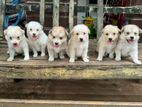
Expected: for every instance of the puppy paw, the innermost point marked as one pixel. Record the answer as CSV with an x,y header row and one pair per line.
x,y
42,54
62,57
117,59
111,56
137,62
10,59
85,59
26,58
34,55
71,60
51,59
99,59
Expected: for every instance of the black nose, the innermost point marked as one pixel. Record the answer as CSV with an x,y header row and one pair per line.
x,y
110,39
56,43
132,38
81,40
34,34
15,44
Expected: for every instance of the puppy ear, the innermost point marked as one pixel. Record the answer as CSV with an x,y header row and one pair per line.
x,y
23,32
5,34
50,31
41,26
66,32
122,29
26,25
140,30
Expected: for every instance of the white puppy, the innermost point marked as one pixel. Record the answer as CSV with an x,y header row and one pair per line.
x,y
78,43
108,41
57,42
128,43
36,37
17,42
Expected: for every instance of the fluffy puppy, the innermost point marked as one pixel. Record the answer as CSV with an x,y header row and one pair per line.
x,y
78,43
37,39
57,42
128,43
108,41
17,42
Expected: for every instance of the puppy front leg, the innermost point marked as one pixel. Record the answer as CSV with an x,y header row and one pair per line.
x,y
72,55
62,55
85,55
111,55
51,55
118,55
134,56
101,54
26,53
11,55
35,54
43,47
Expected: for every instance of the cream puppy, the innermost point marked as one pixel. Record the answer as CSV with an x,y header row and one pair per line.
x,y
107,42
128,43
17,42
57,42
78,43
36,37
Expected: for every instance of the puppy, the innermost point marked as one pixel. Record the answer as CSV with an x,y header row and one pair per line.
x,y
37,39
79,43
57,42
107,42
128,43
17,42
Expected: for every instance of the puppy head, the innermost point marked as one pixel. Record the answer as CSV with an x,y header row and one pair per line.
x,y
34,29
58,36
80,33
130,33
110,33
14,35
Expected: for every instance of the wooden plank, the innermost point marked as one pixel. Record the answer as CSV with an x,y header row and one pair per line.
x,y
71,14
42,12
56,4
100,14
2,12
58,103
71,73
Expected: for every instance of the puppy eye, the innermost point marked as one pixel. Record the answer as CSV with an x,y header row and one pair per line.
x,y
107,34
77,33
84,33
114,33
37,30
135,33
10,38
61,38
30,29
127,33
53,37
18,37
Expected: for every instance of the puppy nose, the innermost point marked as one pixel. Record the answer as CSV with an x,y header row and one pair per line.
x,y
81,39
15,44
56,43
110,39
34,34
132,38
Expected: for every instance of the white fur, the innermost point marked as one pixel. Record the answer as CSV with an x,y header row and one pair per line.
x,y
37,38
76,47
15,35
57,42
126,46
106,46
